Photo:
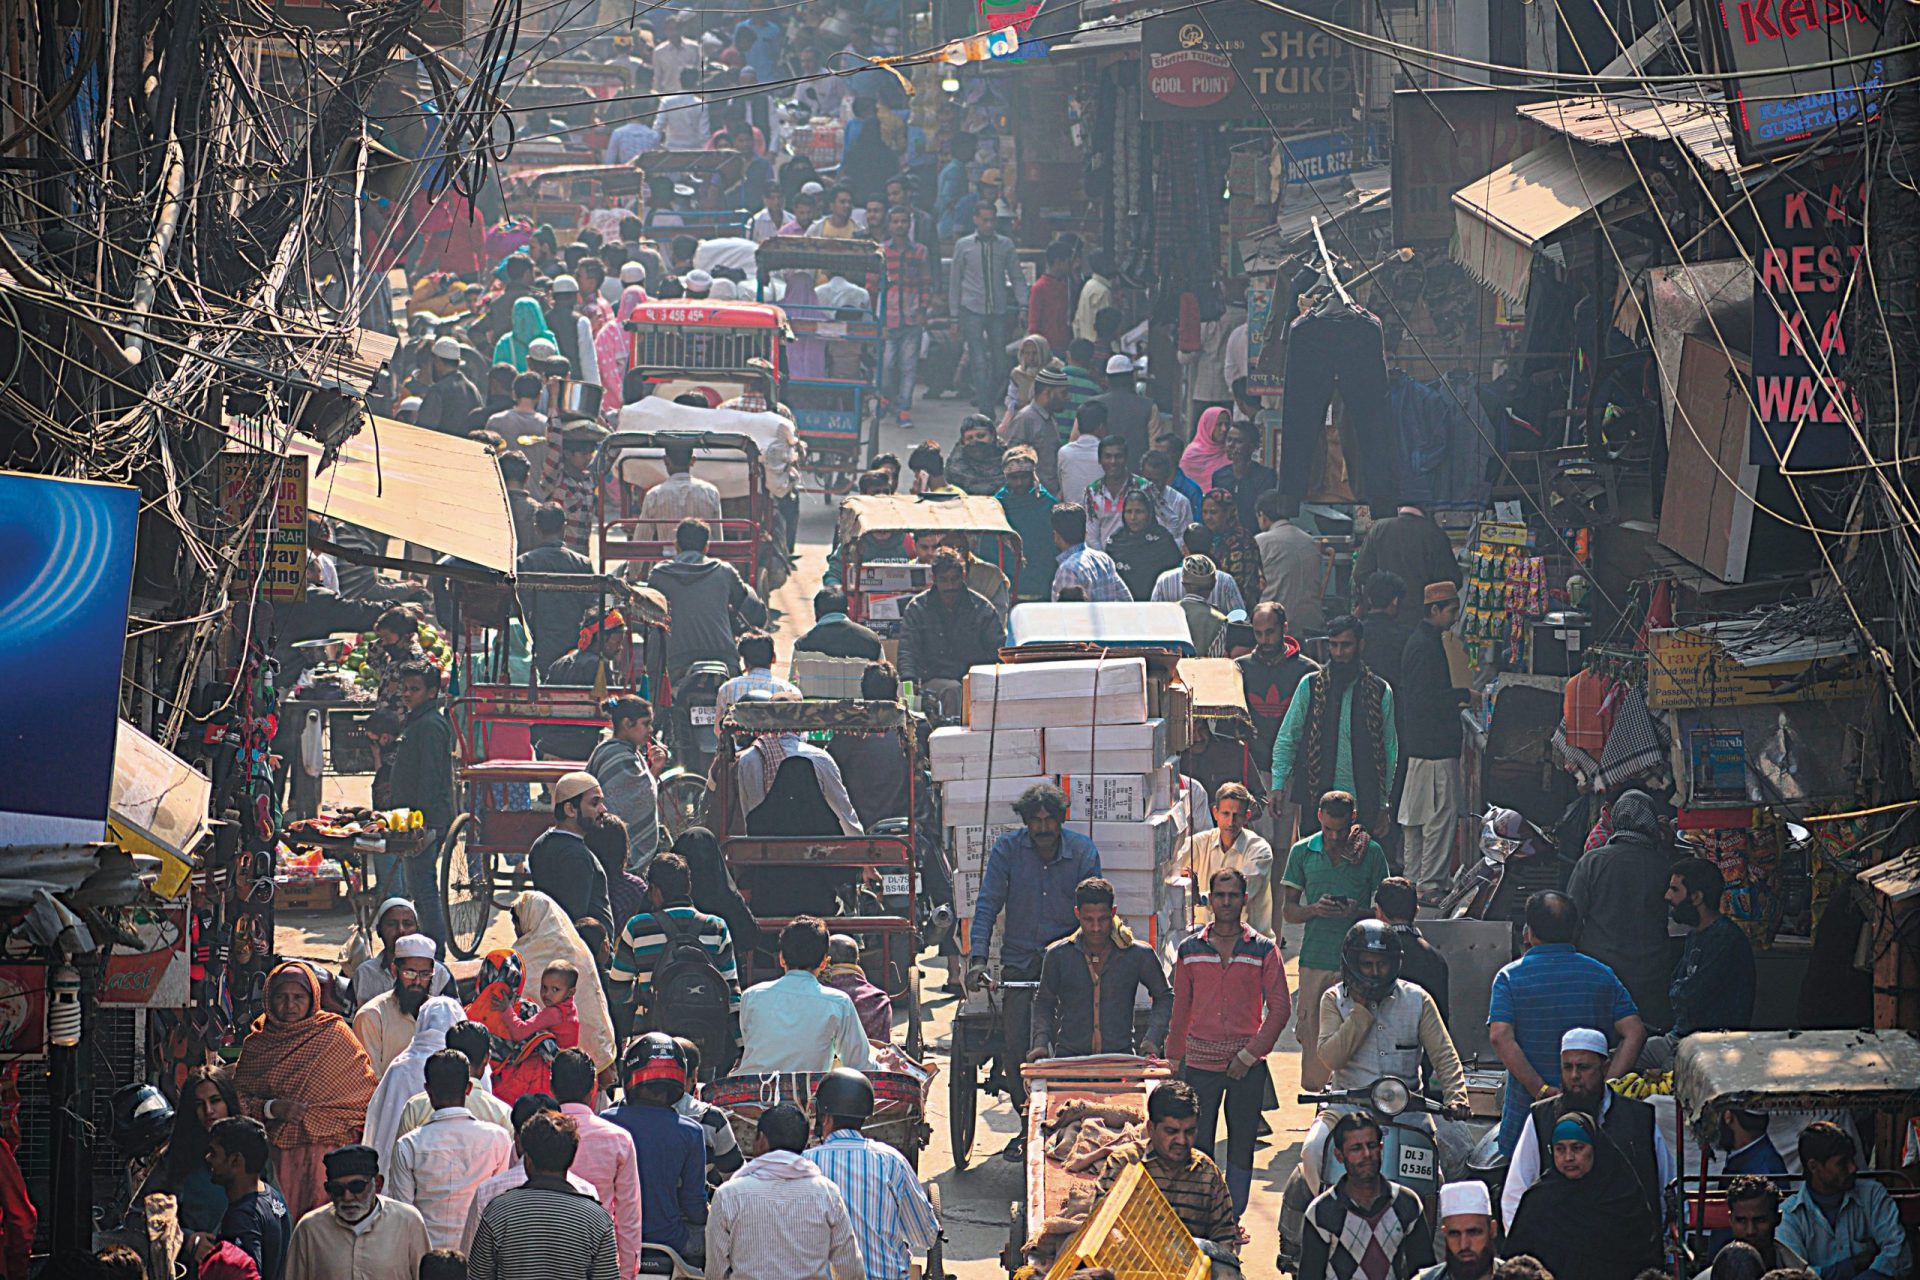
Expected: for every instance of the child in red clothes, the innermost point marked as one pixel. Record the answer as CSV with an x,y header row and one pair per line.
x,y
557,1015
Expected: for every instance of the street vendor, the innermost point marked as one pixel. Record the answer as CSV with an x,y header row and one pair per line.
x,y
1188,1178
1034,874
395,919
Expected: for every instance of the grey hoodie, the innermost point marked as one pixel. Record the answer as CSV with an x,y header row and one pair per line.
x,y
704,594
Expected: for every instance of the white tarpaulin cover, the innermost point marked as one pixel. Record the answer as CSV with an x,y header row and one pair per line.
x,y
159,801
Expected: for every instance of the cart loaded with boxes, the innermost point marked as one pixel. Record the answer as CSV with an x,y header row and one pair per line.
x,y
1106,724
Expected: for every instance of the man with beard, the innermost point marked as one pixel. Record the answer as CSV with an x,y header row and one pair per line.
x,y
1753,1211
563,867
1469,1237
1269,675
1363,1225
360,1233
395,919
1583,1088
1339,734
385,1024
1712,988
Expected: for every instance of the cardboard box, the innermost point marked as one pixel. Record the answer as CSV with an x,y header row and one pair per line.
x,y
822,676
1040,694
980,800
1106,748
968,844
1117,797
1135,894
893,575
956,754
1134,846
886,608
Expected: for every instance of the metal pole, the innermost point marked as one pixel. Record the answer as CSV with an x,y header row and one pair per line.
x,y
70,1099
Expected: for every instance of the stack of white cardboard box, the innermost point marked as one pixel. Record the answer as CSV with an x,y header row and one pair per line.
x,y
1083,725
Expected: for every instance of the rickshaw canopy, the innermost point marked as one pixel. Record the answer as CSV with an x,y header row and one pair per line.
x,y
904,513
1794,1070
818,253
816,715
725,442
1218,691
613,178
1117,625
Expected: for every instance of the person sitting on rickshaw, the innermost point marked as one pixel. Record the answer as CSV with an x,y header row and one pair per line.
x,y
796,1022
682,495
947,630
789,787
983,578
845,973
874,765
888,544
600,659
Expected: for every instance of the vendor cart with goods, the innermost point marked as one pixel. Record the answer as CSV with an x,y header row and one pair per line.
x,y
1106,726
866,885
348,851
519,734
834,361
1866,1081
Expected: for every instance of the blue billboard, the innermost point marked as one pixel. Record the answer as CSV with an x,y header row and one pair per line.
x,y
66,573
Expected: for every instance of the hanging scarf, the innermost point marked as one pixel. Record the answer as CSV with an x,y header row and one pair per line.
x,y
546,935
1234,552
614,345
773,754
1207,452
406,1075
316,1059
1366,730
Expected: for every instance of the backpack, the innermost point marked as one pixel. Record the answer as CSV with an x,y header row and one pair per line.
x,y
689,996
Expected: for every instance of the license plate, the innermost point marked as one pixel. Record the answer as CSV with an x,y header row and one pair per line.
x,y
895,886
1416,1162
701,715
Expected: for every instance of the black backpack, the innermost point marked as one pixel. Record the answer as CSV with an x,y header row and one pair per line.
x,y
689,996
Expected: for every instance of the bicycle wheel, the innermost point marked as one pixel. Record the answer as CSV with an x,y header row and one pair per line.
x,y
466,890
683,803
963,1100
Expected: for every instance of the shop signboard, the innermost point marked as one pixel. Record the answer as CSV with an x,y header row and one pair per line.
x,y
276,556
66,576
1236,60
1315,157
1808,263
1784,88
1442,140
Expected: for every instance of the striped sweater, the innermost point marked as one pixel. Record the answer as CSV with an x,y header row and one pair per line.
x,y
542,1230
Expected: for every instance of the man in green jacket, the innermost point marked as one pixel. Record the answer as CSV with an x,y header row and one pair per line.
x,y
423,780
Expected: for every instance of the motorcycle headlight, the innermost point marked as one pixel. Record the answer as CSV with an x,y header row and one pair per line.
x,y
1390,1096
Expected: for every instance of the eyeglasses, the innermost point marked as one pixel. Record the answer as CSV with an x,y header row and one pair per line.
x,y
348,1186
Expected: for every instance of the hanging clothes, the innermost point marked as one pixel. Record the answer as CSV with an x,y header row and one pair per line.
x,y
1339,347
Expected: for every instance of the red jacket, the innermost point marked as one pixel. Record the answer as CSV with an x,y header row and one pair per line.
x,y
1050,312
1225,1007
18,1218
229,1261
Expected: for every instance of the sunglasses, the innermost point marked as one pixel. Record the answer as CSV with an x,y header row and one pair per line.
x,y
348,1186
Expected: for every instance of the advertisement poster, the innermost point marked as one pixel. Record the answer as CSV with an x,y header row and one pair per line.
x,y
1239,61
66,572
1809,251
23,1011
1260,331
276,557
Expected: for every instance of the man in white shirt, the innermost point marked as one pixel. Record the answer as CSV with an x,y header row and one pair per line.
x,y
1096,295
1234,359
674,56
773,215
1232,845
1078,462
683,122
527,1106
795,1022
756,655
839,292
780,1216
681,496
439,1166
360,1233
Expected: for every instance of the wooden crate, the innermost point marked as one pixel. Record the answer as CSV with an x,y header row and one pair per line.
x,y
306,895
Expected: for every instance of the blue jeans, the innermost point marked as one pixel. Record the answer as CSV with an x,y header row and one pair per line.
x,y
986,335
421,874
900,366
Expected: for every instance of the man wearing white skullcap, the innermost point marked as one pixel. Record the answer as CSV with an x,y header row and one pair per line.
x,y
395,919
562,866
386,1023
1583,1088
1469,1237
699,283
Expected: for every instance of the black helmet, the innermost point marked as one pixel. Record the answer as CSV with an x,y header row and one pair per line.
x,y
142,1119
653,1057
844,1094
1375,938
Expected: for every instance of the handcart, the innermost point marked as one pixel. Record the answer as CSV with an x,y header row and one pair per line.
x,y
864,885
483,864
1106,1084
833,369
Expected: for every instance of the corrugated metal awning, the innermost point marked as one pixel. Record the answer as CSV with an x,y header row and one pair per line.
x,y
1613,120
438,491
1505,218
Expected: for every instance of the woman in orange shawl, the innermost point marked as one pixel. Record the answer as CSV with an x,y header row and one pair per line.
x,y
304,1075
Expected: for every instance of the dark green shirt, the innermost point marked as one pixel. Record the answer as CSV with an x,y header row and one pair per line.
x,y
423,767
1317,876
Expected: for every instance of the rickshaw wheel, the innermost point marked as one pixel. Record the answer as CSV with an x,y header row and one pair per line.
x,y
963,1101
683,803
466,890
936,1254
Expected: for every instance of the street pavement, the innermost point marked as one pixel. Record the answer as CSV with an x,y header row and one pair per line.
x,y
977,1201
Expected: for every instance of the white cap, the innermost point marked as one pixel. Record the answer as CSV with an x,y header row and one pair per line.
x,y
1465,1199
542,347
414,946
409,405
811,188
1119,364
632,273
564,283
446,348
698,279
1584,1039
573,785
724,290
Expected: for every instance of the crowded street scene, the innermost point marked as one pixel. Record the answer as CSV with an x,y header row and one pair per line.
x,y
959,640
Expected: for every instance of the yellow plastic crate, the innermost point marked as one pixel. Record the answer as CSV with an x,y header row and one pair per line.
x,y
1134,1233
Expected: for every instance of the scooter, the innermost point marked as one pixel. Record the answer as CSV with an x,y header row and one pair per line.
x,y
1511,849
1409,1154
697,735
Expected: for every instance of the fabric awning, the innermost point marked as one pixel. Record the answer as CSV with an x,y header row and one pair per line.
x,y
1505,218
437,491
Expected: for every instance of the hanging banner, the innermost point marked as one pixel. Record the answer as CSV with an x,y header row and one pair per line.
x,y
1809,252
276,556
66,575
1798,40
1238,61
1018,14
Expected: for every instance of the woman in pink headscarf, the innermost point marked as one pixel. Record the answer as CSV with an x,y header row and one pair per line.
x,y
1208,451
614,345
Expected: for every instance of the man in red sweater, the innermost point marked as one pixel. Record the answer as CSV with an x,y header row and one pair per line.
x,y
17,1218
1229,1003
1050,303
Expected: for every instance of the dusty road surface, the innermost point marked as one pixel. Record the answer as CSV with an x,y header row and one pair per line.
x,y
976,1200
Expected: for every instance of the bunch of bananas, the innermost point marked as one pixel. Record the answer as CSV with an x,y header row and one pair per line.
x,y
1635,1085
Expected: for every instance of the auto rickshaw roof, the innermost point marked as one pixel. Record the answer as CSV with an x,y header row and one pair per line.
x,y
817,253
904,513
1218,691
1794,1070
816,714
614,178
716,315
1116,625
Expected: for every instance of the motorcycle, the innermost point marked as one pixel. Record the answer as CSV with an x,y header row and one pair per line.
x,y
1409,1154
696,731
1516,858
